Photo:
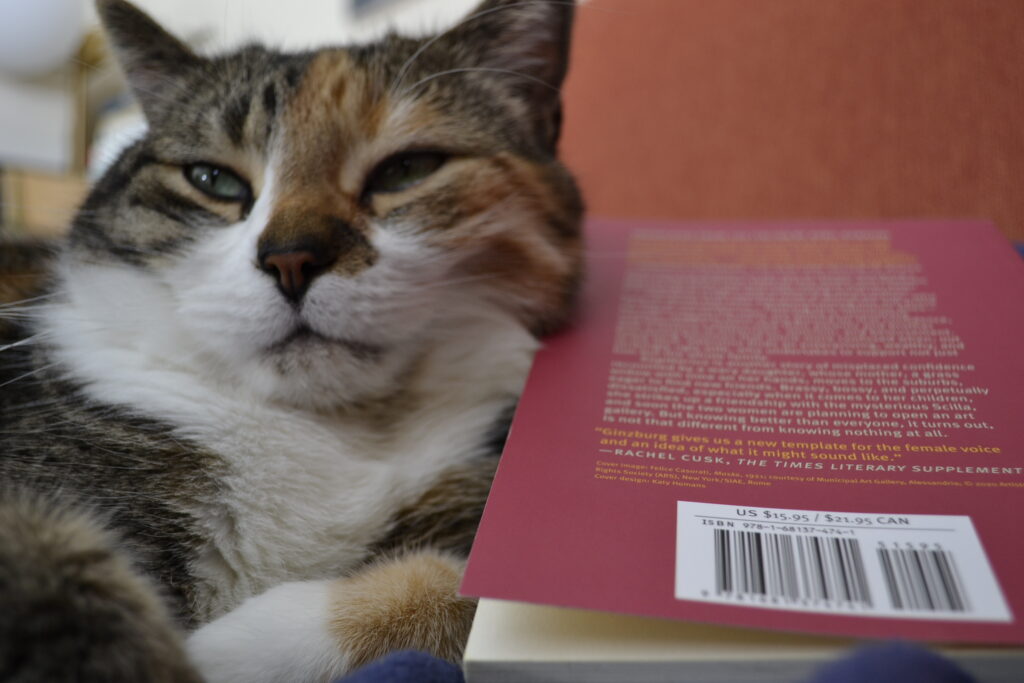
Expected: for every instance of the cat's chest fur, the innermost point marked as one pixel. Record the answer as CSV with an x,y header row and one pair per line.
x,y
302,494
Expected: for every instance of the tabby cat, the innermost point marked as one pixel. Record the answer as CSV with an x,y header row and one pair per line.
x,y
247,428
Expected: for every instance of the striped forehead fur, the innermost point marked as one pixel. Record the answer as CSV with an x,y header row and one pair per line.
x,y
327,118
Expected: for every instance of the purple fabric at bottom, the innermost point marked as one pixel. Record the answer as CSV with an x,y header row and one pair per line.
x,y
892,663
407,667
884,663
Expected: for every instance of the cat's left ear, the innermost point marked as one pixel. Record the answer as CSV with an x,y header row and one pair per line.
x,y
526,43
154,61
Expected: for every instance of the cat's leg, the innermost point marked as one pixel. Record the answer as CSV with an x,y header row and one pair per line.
x,y
72,605
318,630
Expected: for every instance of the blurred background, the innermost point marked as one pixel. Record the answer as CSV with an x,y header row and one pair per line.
x,y
679,109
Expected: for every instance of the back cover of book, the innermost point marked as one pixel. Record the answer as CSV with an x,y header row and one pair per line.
x,y
803,426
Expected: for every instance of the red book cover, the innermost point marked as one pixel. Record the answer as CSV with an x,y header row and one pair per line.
x,y
804,426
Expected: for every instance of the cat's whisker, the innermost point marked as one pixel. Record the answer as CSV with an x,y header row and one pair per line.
x,y
22,342
31,373
481,69
18,309
22,302
443,284
472,17
28,313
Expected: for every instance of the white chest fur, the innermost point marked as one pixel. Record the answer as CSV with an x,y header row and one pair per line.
x,y
303,493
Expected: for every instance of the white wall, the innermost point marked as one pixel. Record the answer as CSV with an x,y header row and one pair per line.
x,y
297,24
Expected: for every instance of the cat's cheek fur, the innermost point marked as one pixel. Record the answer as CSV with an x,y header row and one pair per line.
x,y
393,302
238,319
220,295
223,300
114,320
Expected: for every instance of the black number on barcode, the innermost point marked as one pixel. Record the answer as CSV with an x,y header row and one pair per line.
x,y
790,567
923,579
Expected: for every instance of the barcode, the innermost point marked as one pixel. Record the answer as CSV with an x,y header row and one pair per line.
x,y
923,579
906,566
790,567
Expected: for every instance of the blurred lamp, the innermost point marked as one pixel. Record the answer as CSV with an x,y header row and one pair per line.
x,y
37,36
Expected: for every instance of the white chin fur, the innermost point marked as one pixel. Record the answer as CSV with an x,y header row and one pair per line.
x,y
120,317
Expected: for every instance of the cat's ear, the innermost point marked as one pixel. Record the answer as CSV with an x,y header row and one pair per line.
x,y
154,61
525,43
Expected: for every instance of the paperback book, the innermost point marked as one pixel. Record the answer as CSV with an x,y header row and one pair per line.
x,y
803,427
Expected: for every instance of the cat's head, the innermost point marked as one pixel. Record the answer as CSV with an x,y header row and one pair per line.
x,y
314,218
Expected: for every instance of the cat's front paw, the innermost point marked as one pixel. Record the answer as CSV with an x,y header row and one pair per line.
x,y
320,630
281,635
407,603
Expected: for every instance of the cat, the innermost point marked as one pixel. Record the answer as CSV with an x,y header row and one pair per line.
x,y
248,424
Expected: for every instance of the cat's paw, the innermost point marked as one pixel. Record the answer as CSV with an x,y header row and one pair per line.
x,y
281,635
408,603
319,630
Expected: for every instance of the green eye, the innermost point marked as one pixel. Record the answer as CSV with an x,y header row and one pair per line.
x,y
218,182
402,171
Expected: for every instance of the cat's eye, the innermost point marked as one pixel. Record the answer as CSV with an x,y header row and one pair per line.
x,y
402,171
218,182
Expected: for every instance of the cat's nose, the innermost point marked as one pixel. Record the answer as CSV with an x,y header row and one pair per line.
x,y
299,244
295,270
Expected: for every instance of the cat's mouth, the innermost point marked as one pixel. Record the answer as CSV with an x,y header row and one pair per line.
x,y
304,335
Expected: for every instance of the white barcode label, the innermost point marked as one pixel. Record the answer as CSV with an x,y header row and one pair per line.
x,y
870,564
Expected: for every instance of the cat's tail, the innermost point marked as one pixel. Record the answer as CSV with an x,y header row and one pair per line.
x,y
73,608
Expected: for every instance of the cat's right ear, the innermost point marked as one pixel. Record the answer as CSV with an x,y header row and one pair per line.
x,y
153,60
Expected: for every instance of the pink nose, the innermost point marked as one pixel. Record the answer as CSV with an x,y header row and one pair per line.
x,y
295,270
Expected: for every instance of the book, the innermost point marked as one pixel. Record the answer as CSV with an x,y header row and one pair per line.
x,y
512,642
802,428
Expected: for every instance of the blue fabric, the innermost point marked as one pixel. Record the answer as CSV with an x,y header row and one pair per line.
x,y
892,663
884,663
1020,248
407,667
